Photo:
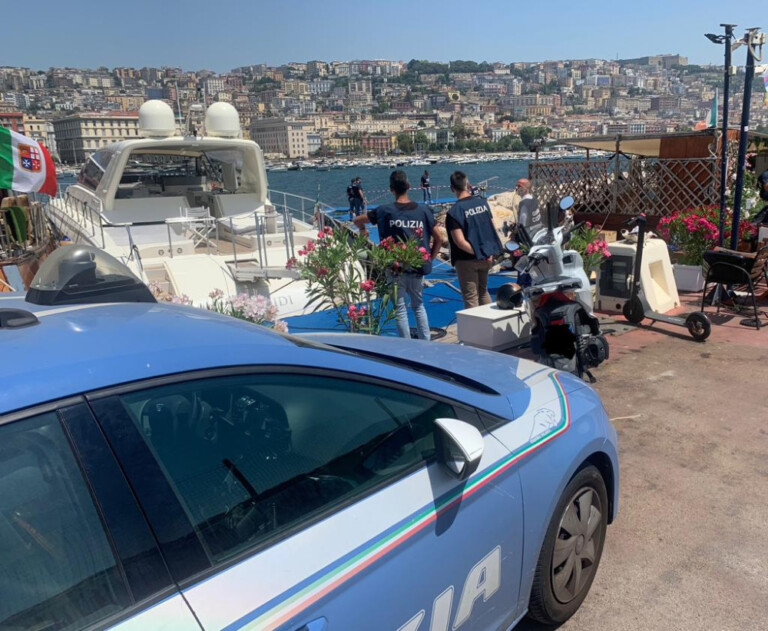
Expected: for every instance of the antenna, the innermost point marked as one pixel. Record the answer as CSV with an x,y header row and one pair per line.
x,y
178,108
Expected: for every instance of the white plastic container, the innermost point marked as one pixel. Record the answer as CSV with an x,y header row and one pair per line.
x,y
688,277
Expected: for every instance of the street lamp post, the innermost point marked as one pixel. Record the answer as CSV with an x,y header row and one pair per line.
x,y
719,39
753,38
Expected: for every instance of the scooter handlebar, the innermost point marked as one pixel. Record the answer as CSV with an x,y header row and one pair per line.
x,y
567,235
535,259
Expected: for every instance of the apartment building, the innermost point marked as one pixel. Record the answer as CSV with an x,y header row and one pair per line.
x,y
78,136
278,135
41,130
360,95
13,121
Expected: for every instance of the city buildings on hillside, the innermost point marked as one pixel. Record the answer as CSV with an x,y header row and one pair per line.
x,y
322,106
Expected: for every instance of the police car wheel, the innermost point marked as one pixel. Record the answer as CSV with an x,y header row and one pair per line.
x,y
572,549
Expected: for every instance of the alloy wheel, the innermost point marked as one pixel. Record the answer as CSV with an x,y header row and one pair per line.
x,y
578,539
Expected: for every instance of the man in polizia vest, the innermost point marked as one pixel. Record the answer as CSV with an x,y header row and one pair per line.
x,y
403,220
473,240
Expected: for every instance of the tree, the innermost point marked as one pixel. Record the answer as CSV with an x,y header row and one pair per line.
x,y
420,141
460,132
551,88
421,124
405,143
265,83
529,134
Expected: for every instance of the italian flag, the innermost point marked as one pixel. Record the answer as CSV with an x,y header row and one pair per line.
x,y
25,165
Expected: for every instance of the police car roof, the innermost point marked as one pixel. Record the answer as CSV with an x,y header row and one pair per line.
x,y
77,348
80,348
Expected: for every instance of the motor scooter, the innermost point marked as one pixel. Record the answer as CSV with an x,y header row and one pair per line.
x,y
565,335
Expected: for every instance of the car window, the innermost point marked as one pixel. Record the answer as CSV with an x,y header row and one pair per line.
x,y
57,570
251,456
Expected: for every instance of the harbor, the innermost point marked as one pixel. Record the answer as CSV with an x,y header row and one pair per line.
x,y
384,344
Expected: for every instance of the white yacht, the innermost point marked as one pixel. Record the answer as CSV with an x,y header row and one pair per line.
x,y
191,214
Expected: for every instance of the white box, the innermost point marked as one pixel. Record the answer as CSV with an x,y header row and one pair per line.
x,y
492,328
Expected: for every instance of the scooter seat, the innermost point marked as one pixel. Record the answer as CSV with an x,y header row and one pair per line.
x,y
556,280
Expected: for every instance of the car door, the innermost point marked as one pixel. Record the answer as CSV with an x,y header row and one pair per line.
x,y
316,502
75,551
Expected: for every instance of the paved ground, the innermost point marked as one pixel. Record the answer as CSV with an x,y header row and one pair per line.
x,y
689,549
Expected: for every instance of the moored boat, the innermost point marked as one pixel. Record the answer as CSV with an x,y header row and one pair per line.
x,y
190,214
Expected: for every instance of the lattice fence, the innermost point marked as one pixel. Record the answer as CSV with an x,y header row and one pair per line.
x,y
656,186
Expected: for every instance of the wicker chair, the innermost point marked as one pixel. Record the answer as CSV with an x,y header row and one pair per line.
x,y
740,271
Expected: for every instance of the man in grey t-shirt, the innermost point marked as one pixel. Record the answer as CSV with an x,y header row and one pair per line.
x,y
528,212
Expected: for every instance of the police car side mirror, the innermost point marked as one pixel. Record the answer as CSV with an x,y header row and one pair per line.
x,y
459,446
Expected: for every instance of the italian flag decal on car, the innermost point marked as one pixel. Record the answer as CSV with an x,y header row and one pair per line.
x,y
25,165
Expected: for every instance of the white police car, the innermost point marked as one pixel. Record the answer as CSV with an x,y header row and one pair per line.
x,y
162,467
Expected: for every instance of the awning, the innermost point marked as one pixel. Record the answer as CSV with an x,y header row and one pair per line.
x,y
649,145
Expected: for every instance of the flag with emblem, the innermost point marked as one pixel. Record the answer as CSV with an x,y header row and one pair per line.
x,y
25,164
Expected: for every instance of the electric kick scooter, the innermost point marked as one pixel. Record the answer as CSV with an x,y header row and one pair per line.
x,y
636,309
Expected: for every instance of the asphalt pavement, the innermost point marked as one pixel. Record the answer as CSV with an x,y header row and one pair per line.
x,y
689,550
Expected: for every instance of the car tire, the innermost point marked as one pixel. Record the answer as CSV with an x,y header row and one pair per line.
x,y
565,570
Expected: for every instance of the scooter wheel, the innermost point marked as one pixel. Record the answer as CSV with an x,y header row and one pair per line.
x,y
633,311
698,326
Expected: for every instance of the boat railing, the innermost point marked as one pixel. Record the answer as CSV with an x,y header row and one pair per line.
x,y
275,219
302,208
83,214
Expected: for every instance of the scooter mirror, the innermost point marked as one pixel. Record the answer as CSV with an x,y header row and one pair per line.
x,y
566,202
511,246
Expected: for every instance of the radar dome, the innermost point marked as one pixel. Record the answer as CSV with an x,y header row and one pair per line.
x,y
222,121
156,120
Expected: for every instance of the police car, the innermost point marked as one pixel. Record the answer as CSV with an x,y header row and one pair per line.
x,y
163,467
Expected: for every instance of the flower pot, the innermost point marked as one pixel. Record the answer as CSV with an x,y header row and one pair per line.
x,y
688,277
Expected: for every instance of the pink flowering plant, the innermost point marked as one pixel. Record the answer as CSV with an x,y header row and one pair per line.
x,y
695,230
587,241
257,309
161,295
344,272
692,231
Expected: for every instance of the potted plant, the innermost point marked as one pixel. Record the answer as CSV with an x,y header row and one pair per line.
x,y
587,241
690,233
345,273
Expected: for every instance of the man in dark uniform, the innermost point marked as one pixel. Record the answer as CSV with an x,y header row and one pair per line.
x,y
358,197
426,189
403,220
473,240
351,199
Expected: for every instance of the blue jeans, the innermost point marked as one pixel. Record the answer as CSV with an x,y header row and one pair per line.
x,y
411,284
427,194
357,206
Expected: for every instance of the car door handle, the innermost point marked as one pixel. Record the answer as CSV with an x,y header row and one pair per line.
x,y
318,624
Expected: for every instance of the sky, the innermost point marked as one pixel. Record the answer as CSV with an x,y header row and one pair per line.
x,y
224,34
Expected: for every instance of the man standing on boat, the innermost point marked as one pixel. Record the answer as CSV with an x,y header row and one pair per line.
x,y
403,220
426,189
473,240
351,199
358,197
